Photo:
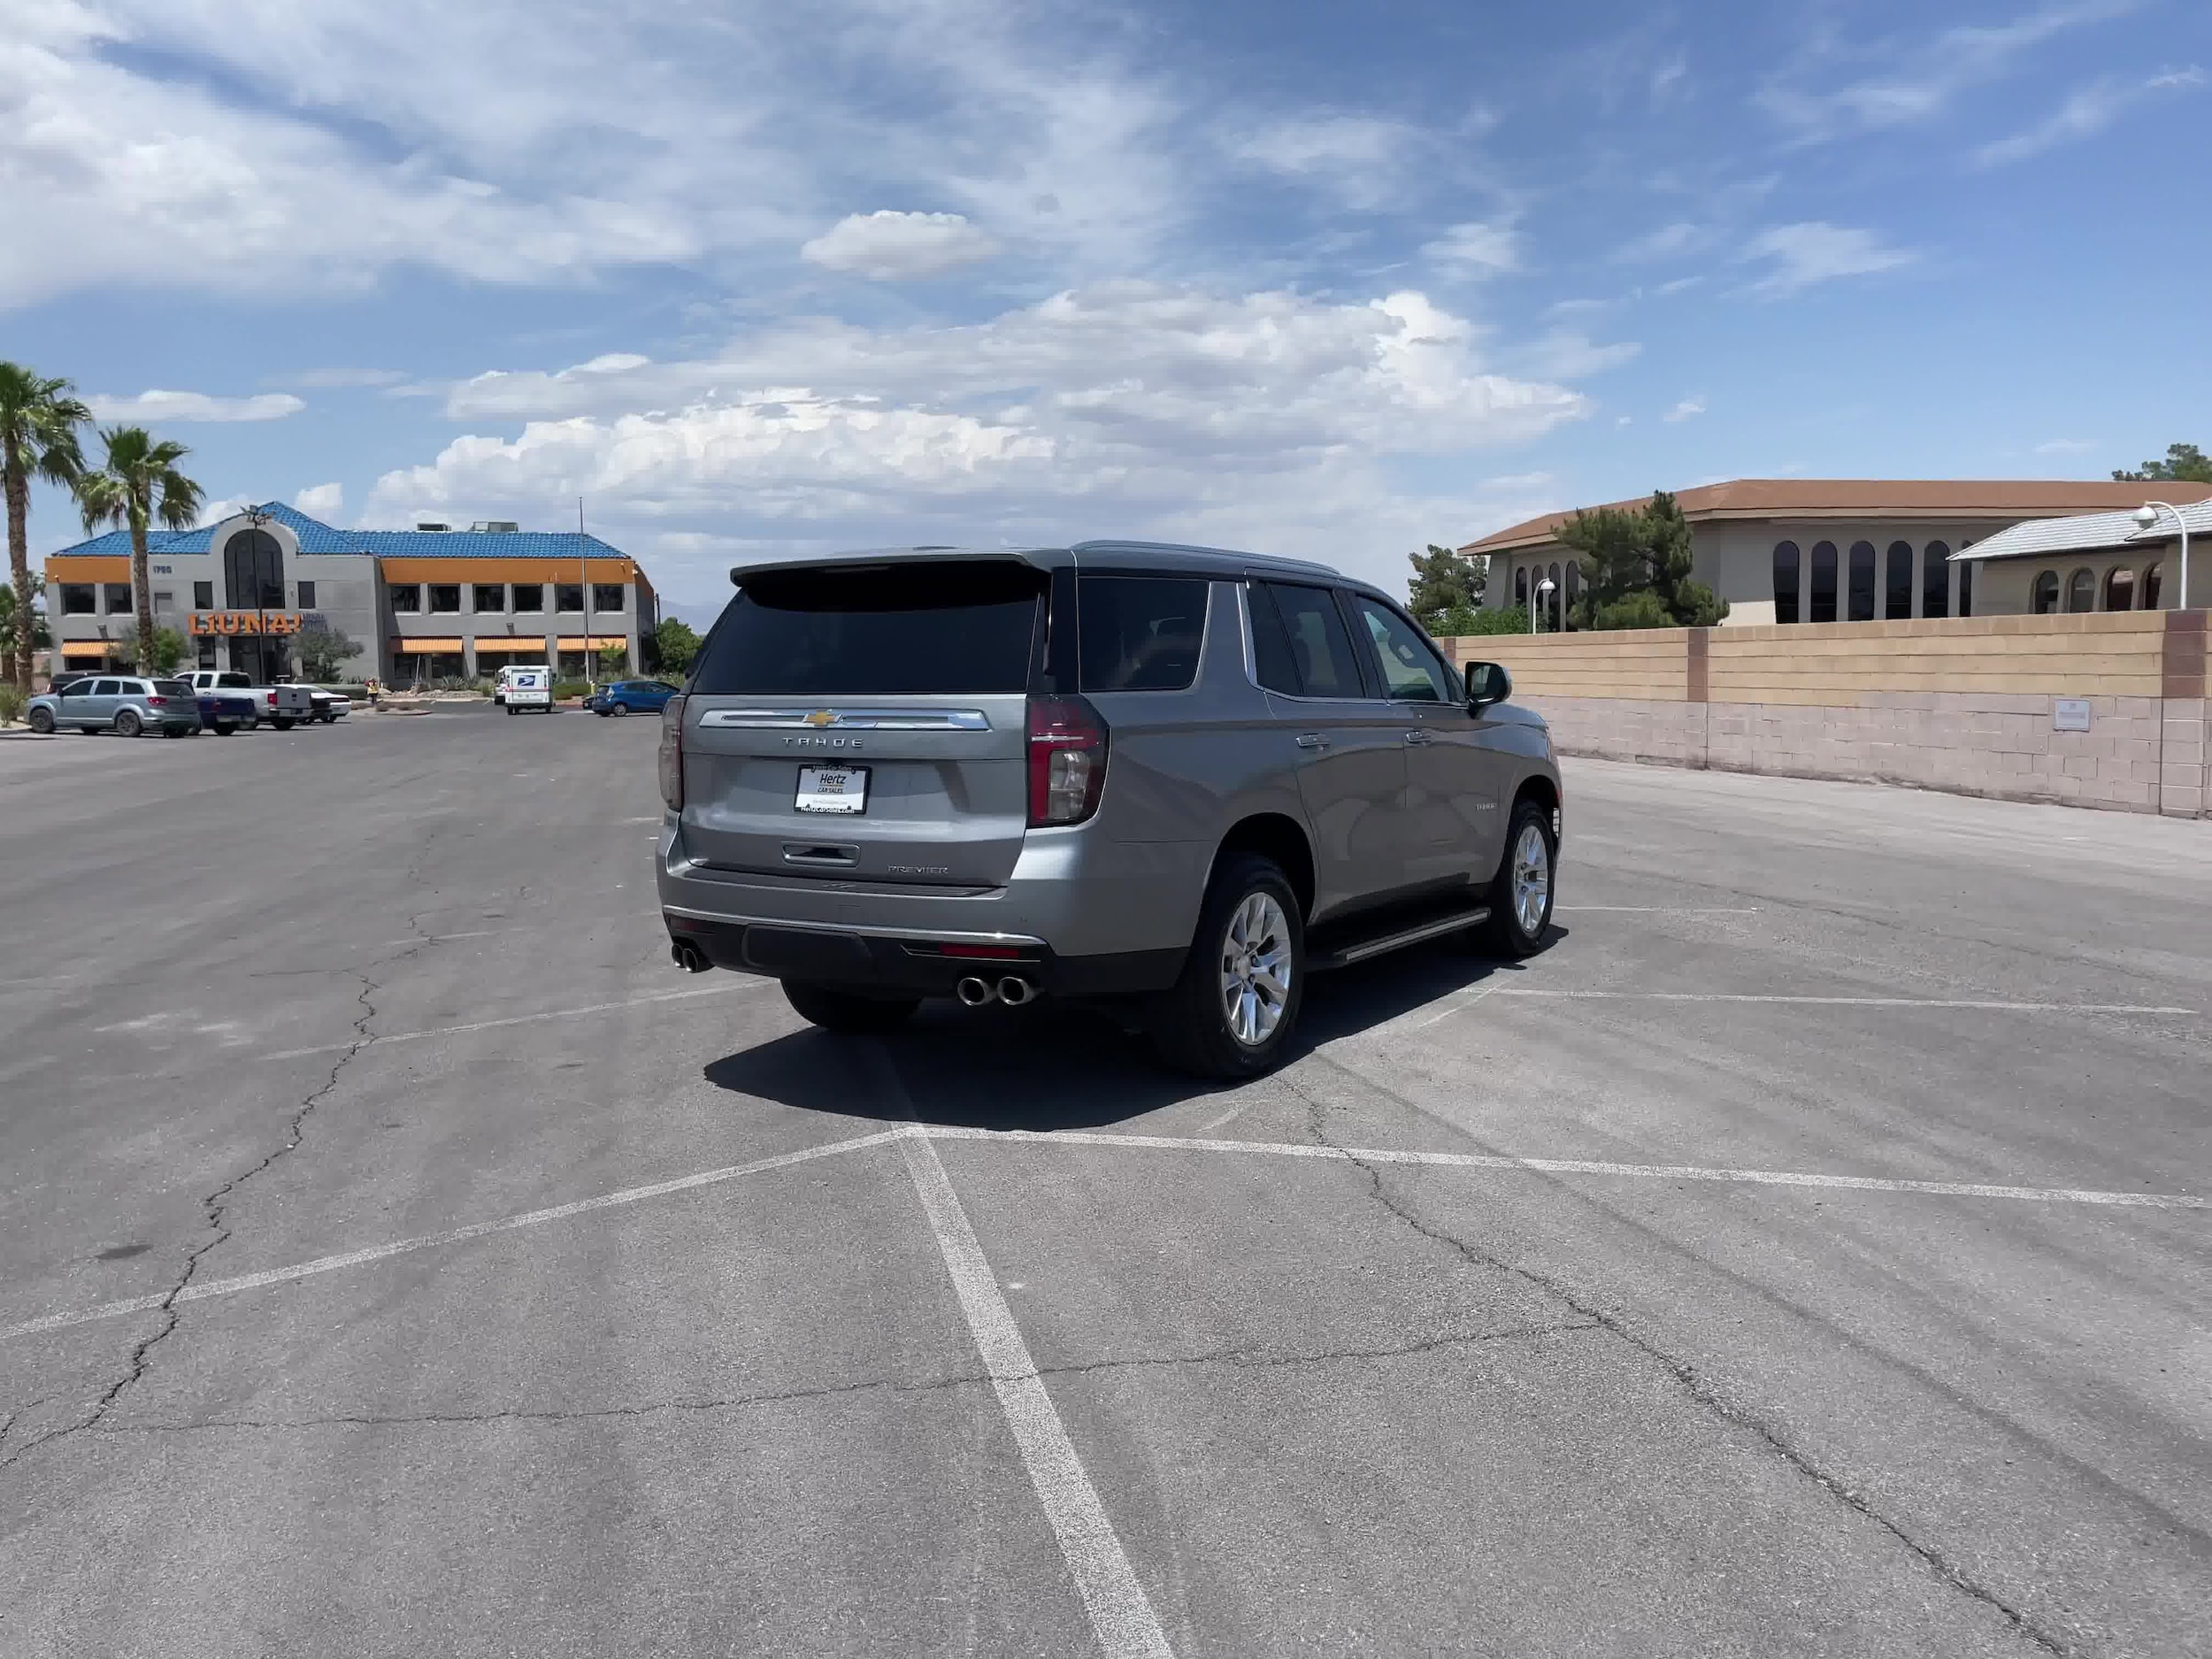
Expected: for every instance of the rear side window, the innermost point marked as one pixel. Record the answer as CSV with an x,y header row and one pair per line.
x,y
237,679
1140,632
1300,645
171,688
914,629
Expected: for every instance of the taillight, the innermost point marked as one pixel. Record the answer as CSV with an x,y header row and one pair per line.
x,y
672,753
157,702
1067,760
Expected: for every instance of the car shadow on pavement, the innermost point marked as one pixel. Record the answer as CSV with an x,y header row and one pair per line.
x,y
1054,1065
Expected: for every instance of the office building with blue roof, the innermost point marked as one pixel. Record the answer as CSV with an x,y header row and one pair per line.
x,y
431,606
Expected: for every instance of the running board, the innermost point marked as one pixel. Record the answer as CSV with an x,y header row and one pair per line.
x,y
1345,956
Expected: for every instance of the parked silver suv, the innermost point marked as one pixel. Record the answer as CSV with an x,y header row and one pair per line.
x,y
128,703
1117,769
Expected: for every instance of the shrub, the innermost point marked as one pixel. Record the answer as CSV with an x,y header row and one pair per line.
x,y
11,702
1461,623
570,687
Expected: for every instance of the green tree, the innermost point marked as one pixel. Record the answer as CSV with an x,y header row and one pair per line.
x,y
1510,619
322,649
38,419
136,483
1444,582
677,645
169,649
1636,569
10,641
614,661
2184,463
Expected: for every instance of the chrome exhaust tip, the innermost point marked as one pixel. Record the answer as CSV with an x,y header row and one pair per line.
x,y
975,992
1014,992
688,956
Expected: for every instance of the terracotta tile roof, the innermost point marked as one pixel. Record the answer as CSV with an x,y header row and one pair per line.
x,y
2010,499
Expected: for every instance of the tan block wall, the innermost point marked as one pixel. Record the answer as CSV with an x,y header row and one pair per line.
x,y
1966,705
1640,664
1847,664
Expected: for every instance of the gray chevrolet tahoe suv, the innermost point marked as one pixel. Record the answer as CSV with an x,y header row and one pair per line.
x,y
1175,776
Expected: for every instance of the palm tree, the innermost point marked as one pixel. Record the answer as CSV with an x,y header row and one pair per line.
x,y
38,439
138,483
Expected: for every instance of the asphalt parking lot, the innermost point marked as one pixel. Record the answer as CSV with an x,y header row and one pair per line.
x,y
1806,1254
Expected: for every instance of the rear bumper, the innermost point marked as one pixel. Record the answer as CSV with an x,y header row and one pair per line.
x,y
1088,917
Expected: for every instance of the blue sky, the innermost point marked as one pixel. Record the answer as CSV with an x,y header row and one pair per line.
x,y
1333,280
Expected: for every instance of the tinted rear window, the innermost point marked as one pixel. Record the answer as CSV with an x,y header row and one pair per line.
x,y
171,688
1140,632
876,630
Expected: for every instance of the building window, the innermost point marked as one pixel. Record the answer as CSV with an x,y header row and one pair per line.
x,y
307,596
1574,583
407,596
207,650
1862,581
203,595
1823,606
117,598
1897,591
568,597
530,595
2119,589
253,570
491,596
1935,581
445,599
164,601
2081,591
1966,584
76,599
1520,586
1785,581
2043,598
1555,610
2150,588
606,597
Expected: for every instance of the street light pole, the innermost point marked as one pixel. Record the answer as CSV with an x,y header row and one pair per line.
x,y
2146,517
1544,590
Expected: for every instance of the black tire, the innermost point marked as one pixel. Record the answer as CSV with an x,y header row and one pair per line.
x,y
844,1011
1504,933
1190,1025
282,722
174,731
42,722
128,725
512,711
618,710
224,729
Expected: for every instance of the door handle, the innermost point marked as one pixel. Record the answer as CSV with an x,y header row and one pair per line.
x,y
1312,739
1420,737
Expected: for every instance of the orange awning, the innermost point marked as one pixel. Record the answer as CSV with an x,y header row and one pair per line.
x,y
85,649
428,648
504,647
596,642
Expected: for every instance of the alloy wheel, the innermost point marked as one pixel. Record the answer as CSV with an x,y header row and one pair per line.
x,y
1256,969
1531,879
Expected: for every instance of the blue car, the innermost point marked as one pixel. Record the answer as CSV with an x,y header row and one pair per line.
x,y
625,697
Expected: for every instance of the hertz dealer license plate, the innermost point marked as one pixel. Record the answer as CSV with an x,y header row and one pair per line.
x,y
832,789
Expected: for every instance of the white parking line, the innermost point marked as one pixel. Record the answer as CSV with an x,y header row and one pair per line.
x,y
451,1235
1120,1612
1096,1138
1579,1166
1658,910
1990,1003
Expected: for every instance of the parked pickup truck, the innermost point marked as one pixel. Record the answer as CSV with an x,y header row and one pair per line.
x,y
281,706
223,712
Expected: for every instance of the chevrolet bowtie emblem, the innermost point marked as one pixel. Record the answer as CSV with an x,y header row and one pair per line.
x,y
821,717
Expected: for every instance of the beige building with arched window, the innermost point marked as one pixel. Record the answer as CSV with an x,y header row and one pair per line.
x,y
1785,549
2098,561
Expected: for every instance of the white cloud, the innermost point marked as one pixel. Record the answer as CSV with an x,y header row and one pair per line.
x,y
1360,160
151,407
2087,111
1688,409
1623,420
321,501
2069,445
1835,90
892,247
345,378
1805,254
1476,249
1564,353
1128,406
216,511
1669,241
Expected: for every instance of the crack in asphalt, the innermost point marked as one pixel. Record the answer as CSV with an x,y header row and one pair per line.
x,y
217,1204
1241,1357
1686,1377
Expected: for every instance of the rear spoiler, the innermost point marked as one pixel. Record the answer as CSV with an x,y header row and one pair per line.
x,y
1037,559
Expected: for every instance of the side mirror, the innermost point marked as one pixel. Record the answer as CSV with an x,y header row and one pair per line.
x,y
1488,683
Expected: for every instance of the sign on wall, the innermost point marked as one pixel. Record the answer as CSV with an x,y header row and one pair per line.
x,y
2070,714
245,622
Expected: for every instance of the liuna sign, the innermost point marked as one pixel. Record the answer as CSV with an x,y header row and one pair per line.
x,y
245,622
